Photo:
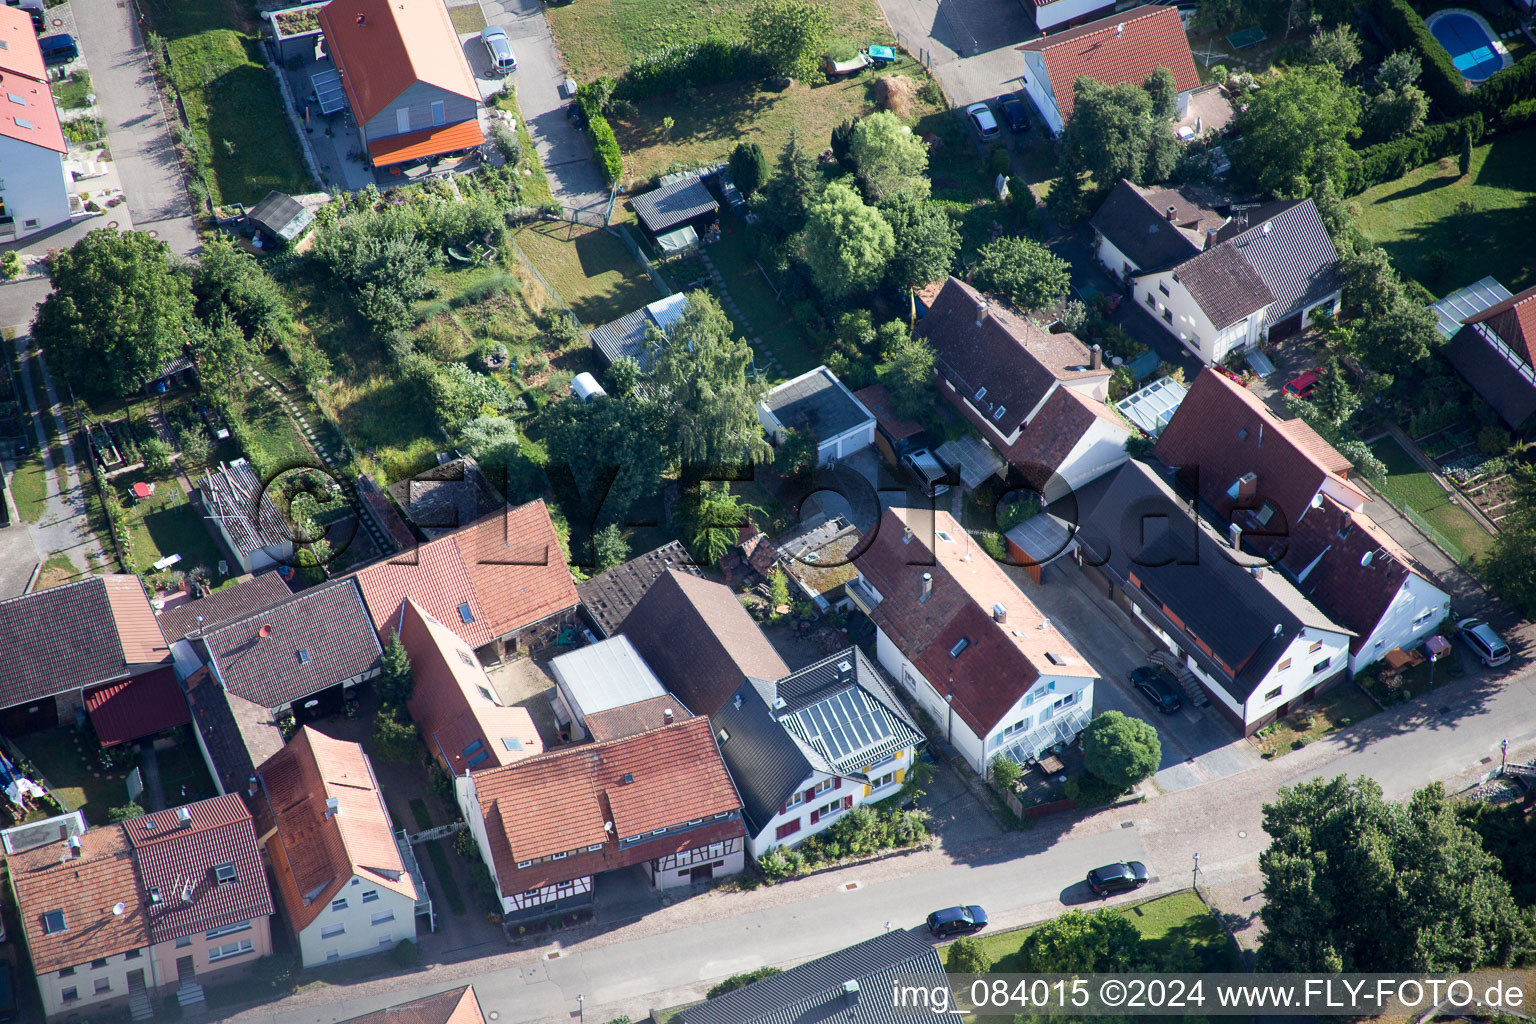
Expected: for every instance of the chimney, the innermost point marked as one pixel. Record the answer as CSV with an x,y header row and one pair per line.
x,y
1247,487
265,630
1171,211
999,612
74,846
1235,533
1266,227
250,788
844,671
1096,357
851,993
981,312
361,20
332,807
927,586
183,817
666,715
1210,237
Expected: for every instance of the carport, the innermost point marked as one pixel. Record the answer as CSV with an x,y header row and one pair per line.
x,y
1037,541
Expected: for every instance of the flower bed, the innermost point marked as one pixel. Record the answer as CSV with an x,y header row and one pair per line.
x,y
859,833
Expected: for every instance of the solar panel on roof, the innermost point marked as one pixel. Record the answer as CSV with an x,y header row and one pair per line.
x,y
844,723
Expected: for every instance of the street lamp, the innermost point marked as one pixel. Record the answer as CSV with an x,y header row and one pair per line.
x,y
1194,881
1503,755
949,730
581,1008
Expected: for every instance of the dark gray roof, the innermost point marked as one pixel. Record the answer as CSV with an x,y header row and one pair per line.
x,y
677,203
623,337
835,716
817,400
57,640
234,495
609,596
1504,381
318,638
239,735
813,993
1135,221
242,599
1224,285
282,215
1134,520
1289,248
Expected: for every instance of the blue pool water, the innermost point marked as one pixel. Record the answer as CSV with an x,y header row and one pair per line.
x,y
1468,44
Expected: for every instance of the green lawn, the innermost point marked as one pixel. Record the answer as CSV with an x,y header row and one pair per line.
x,y
60,755
1421,221
71,93
1178,920
231,99
1340,709
1408,485
467,18
535,183
451,892
165,523
594,272
272,431
769,318
29,486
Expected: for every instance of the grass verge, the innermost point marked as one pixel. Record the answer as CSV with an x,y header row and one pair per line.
x,y
163,524
450,886
1409,486
419,812
1343,707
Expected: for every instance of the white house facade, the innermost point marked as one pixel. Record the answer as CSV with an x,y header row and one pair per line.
x,y
364,917
1415,611
821,799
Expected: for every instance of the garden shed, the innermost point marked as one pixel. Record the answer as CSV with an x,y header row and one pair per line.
x,y
281,217
682,201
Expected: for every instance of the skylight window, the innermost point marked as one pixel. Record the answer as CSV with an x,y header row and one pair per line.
x,y
225,874
303,656
960,645
22,122
20,101
53,922
998,413
512,743
465,614
946,538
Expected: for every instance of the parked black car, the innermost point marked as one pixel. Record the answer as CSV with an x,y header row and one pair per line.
x,y
943,924
1014,113
1158,687
1115,878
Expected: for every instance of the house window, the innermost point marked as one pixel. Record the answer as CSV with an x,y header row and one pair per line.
x,y
789,828
1422,617
332,955
439,112
1283,665
559,856
882,781
330,931
1379,644
340,904
796,800
1167,315
67,972
1317,645
226,874
383,916
184,942
70,994
231,949
524,864
1062,702
99,962
1272,694
403,120
229,929
1015,728
103,985
1162,286
53,922
465,658
1151,300
370,895
821,787
594,848
133,954
1322,666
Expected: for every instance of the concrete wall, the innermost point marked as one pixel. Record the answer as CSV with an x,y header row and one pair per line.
x,y
34,186
361,936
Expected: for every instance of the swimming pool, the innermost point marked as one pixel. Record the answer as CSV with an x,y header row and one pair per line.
x,y
1473,46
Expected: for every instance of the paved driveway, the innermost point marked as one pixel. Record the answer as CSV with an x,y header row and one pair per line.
x,y
970,43
564,151
136,126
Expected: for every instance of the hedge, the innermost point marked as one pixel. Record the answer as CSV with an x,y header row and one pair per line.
x,y
1510,86
609,160
1405,29
1386,161
704,62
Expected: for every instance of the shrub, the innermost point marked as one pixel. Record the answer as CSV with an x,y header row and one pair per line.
x,y
967,956
10,265
507,142
157,454
609,159
1006,772
1493,439
465,846
742,980
1387,161
405,955
125,812
1405,30
703,62
1120,751
395,737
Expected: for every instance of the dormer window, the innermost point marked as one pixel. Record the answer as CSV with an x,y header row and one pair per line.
x,y
997,414
226,874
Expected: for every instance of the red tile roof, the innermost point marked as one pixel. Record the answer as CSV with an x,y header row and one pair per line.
x,y
178,862
35,118
641,716
427,143
383,47
226,605
1121,48
141,706
86,890
137,628
456,1006
314,855
1221,431
507,567
562,802
1514,320
1001,660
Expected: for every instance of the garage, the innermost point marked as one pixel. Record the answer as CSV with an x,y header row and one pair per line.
x,y
1282,329
818,403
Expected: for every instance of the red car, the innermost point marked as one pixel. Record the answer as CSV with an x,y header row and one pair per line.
x,y
1302,386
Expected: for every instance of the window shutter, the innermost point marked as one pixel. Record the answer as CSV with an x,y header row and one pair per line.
x,y
847,802
868,790
837,783
810,794
784,809
815,817
901,775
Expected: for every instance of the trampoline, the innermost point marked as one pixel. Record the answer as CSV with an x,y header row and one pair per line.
x,y
1472,44
1247,37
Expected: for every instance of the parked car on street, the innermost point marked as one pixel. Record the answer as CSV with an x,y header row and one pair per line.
x,y
1490,649
499,48
980,116
930,474
1159,687
1301,386
1110,879
1014,113
947,923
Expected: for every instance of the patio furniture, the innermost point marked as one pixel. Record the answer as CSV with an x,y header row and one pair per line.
x,y
142,490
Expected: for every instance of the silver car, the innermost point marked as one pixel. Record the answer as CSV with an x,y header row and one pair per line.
x,y
499,48
1485,643
980,116
928,472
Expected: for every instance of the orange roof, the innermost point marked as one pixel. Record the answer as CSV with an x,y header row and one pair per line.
x,y
562,802
27,113
453,700
85,890
429,142
507,568
1120,48
383,47
315,855
19,51
137,627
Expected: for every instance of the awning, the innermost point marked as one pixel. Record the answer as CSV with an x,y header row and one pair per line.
x,y
681,240
328,90
413,146
141,706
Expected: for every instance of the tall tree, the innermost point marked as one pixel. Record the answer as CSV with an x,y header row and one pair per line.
x,y
1510,568
1114,133
1398,339
1400,70
1023,270
906,371
229,280
1333,397
711,395
926,242
847,243
787,36
1164,93
1338,46
749,168
221,351
716,518
891,160
1121,750
1295,132
119,312
396,681
1353,883
609,447
786,200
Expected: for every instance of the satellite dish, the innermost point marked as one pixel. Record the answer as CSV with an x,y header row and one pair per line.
x,y
118,908
311,704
